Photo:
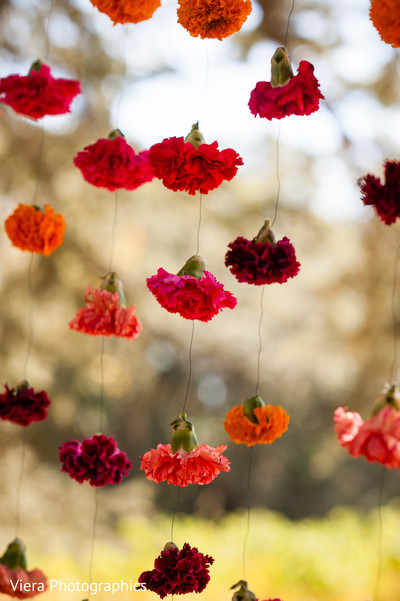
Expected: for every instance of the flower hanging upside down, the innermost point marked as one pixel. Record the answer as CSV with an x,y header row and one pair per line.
x,y
385,198
286,94
127,11
213,18
244,593
385,17
35,229
22,405
15,579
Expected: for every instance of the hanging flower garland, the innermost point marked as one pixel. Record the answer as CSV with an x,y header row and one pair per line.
x,y
15,579
39,93
184,461
385,198
35,229
22,405
213,18
193,293
97,460
192,165
385,17
254,422
377,438
126,11
262,260
105,313
286,94
112,163
177,572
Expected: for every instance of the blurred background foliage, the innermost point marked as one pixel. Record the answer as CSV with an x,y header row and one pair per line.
x,y
327,335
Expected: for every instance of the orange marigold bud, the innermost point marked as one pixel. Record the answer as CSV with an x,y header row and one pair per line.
x,y
126,11
213,18
35,229
272,423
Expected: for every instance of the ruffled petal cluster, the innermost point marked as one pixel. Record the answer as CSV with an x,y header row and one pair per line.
x,y
177,572
377,439
103,316
189,297
39,93
385,17
113,163
385,198
300,96
272,423
180,166
22,405
213,18
200,466
127,11
97,460
34,229
21,584
261,263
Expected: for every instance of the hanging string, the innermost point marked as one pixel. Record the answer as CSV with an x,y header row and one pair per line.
x,y
190,369
199,224
101,402
395,318
278,193
247,532
288,23
47,47
123,72
113,230
31,308
174,514
380,537
19,484
94,533
259,338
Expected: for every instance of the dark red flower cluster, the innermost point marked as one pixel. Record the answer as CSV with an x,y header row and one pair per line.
x,y
178,572
181,166
39,93
96,459
385,198
261,263
22,405
113,163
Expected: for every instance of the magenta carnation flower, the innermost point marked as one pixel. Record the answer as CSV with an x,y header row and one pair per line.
x,y
96,459
177,572
385,198
22,405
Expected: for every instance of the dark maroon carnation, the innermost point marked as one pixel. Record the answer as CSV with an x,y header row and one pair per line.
x,y
385,198
178,572
22,405
96,459
261,263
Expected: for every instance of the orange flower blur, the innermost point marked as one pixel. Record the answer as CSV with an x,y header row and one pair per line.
x,y
39,231
213,18
385,17
272,423
127,11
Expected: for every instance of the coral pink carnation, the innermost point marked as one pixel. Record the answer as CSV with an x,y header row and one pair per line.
x,y
200,466
103,316
20,583
96,459
39,93
190,297
113,163
22,405
180,166
385,198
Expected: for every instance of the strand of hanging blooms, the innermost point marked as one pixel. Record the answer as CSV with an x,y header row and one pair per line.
x,y
105,313
15,579
385,17
286,94
244,593
262,260
22,405
385,198
39,93
193,292
97,460
112,163
35,229
254,422
213,18
177,572
377,438
192,165
126,11
184,461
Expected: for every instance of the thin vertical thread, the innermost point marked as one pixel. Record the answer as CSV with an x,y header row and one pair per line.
x,y
101,403
288,23
278,193
247,532
31,308
199,224
94,534
380,537
39,165
113,230
47,47
260,339
174,514
19,484
123,72
395,318
190,369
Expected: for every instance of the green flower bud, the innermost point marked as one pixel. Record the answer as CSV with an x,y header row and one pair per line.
x,y
194,266
183,435
113,284
249,406
15,557
281,68
195,137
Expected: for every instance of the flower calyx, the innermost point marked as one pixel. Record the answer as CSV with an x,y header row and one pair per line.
x,y
115,133
249,406
281,68
195,137
112,283
266,234
390,395
194,266
183,435
243,593
36,66
15,556
169,546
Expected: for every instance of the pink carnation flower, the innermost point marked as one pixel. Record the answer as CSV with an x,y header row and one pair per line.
x,y
103,316
385,198
377,439
200,466
190,297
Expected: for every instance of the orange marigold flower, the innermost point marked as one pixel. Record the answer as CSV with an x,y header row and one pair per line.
x,y
213,18
272,423
35,229
127,11
385,17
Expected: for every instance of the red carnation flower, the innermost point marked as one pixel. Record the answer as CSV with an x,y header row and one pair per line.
x,y
39,93
178,572
96,459
286,94
22,405
112,163
385,198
